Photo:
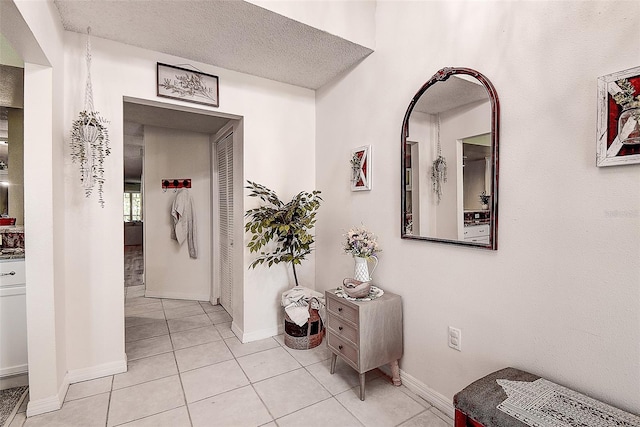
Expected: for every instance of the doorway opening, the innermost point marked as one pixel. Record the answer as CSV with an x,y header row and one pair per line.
x,y
166,142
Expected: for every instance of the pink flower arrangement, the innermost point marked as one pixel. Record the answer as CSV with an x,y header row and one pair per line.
x,y
360,242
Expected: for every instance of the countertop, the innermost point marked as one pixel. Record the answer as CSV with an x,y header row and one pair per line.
x,y
480,222
10,254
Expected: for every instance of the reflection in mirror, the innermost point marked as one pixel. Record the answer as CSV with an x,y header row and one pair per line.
x,y
11,164
450,160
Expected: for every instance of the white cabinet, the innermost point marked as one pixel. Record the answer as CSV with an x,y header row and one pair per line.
x,y
13,318
477,234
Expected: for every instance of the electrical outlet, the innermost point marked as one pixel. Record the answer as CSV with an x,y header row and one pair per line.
x,y
455,338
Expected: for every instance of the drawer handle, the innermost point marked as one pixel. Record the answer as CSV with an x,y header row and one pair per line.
x,y
339,308
340,347
11,273
339,328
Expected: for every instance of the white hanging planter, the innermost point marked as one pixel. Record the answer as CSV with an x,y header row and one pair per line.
x,y
90,139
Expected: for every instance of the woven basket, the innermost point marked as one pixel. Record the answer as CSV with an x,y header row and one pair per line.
x,y
306,336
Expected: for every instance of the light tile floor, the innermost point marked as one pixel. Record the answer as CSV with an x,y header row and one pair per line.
x,y
187,368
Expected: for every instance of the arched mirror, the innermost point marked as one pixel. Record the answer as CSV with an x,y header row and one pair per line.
x,y
450,161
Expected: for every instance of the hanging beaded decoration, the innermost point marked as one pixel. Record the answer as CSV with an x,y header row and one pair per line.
x,y
439,167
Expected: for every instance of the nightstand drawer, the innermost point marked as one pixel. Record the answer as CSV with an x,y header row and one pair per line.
x,y
343,329
343,310
343,348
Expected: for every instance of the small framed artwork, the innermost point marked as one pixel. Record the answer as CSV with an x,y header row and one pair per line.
x,y
407,179
361,168
618,125
187,85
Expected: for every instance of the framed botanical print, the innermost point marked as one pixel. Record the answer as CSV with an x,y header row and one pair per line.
x,y
187,85
361,168
618,126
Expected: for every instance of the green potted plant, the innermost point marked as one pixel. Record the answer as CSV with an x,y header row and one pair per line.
x,y
286,224
286,227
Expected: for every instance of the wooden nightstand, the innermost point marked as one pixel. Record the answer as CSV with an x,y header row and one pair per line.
x,y
365,334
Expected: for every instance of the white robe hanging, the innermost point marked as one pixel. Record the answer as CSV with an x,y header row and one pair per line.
x,y
183,214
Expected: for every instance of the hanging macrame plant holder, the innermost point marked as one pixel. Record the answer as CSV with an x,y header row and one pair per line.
x,y
90,139
438,168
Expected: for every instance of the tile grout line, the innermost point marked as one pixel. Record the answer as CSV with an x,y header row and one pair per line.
x,y
106,418
184,394
251,384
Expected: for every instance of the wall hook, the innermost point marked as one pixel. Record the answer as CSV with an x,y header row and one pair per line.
x,y
175,184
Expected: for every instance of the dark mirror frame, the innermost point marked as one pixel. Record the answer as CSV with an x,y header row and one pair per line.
x,y
443,75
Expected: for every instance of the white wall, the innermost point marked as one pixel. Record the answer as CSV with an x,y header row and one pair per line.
x,y
351,20
169,271
278,131
560,297
35,32
8,55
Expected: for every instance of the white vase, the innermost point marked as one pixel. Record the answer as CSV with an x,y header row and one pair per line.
x,y
361,271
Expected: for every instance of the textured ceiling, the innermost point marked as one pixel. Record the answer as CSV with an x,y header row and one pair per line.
x,y
232,34
169,118
449,94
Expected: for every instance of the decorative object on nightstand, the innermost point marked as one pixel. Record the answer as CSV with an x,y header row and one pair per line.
x,y
355,288
366,333
362,245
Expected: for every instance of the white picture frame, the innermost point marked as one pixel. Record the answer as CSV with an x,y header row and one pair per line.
x,y
610,151
361,171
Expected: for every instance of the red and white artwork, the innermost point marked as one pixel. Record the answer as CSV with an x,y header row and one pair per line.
x,y
361,168
618,127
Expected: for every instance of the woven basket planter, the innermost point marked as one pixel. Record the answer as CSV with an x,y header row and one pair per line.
x,y
306,336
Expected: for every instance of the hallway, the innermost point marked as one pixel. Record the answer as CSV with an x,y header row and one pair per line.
x,y
187,368
133,266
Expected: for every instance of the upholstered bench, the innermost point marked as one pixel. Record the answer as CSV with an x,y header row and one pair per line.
x,y
514,398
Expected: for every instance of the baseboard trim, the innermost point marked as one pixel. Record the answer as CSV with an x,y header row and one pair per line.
x,y
236,330
53,403
14,370
442,403
256,335
175,295
93,372
48,404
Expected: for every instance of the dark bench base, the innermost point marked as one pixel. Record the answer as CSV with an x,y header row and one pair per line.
x,y
462,420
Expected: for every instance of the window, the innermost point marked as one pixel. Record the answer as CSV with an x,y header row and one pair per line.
x,y
132,206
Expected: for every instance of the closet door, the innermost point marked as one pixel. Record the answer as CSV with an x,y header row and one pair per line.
x,y
225,208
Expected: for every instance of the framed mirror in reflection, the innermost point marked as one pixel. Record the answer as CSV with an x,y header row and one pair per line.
x,y
450,161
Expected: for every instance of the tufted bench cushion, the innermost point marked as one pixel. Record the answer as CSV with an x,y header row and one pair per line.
x,y
533,400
